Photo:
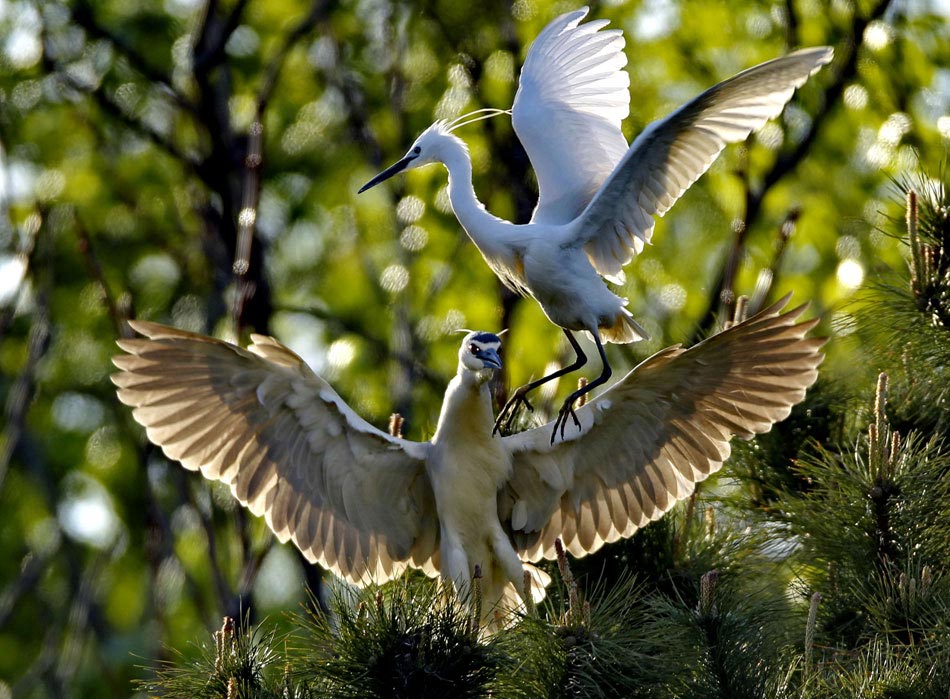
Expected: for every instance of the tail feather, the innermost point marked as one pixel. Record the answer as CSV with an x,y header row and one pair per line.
x,y
502,602
624,330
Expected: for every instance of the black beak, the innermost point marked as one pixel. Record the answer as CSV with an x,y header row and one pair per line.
x,y
490,358
393,169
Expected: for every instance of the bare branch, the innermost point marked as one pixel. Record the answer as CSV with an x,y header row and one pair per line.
x,y
21,393
769,275
119,316
84,16
247,220
112,108
791,26
317,13
213,35
32,568
220,580
31,229
253,163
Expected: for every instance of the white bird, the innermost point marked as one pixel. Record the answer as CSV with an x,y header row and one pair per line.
x,y
597,197
367,505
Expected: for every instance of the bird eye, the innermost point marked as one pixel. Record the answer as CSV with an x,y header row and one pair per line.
x,y
473,348
417,150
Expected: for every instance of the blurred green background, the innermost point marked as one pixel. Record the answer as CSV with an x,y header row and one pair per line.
x,y
128,153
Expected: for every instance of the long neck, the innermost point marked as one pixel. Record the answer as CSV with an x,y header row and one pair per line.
x,y
481,226
466,408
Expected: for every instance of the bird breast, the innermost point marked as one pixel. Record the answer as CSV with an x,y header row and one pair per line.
x,y
467,467
568,288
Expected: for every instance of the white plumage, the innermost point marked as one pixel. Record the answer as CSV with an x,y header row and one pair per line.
x,y
367,505
597,196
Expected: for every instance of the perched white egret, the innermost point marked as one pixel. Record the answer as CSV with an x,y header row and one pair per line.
x,y
366,505
597,197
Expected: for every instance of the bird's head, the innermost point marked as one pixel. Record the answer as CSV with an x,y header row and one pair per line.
x,y
479,351
432,145
425,150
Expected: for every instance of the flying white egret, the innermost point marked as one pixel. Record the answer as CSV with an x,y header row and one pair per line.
x,y
597,197
366,505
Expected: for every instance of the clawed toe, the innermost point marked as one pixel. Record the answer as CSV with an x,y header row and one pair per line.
x,y
561,422
507,414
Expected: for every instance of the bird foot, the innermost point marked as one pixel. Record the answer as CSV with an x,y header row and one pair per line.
x,y
566,409
507,414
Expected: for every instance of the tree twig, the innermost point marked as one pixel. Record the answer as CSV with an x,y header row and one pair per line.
x,y
317,13
768,276
247,221
213,35
32,567
119,316
24,256
84,16
21,393
110,107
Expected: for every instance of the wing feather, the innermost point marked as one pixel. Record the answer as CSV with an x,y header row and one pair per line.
x,y
287,445
670,154
648,440
573,95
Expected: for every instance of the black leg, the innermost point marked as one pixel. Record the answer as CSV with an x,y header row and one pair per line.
x,y
568,407
518,398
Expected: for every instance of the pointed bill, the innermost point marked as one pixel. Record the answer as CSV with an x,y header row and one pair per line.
x,y
393,169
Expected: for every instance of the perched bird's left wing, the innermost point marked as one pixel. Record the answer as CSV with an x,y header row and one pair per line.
x,y
672,153
572,96
646,442
351,497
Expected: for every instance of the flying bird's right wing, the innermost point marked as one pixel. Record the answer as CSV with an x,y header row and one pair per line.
x,y
352,498
572,96
647,441
671,153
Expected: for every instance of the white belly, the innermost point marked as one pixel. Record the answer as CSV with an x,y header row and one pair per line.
x,y
466,488
569,290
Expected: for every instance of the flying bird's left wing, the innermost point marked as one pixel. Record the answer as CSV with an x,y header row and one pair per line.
x,y
572,96
671,153
351,497
647,441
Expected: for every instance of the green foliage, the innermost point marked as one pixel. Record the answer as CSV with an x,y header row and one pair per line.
x,y
861,527
882,670
907,329
766,465
598,646
739,636
410,641
242,664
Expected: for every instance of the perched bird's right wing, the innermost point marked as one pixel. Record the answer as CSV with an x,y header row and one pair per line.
x,y
647,441
352,498
673,152
572,96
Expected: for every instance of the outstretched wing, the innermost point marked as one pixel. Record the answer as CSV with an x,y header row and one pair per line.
x,y
352,498
572,96
673,152
646,442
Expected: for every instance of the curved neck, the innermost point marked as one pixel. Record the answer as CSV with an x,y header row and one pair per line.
x,y
467,404
471,213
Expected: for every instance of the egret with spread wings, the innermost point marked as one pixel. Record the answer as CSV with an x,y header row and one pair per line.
x,y
597,196
367,505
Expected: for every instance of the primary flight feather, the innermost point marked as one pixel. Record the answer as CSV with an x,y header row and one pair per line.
x,y
597,196
367,505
